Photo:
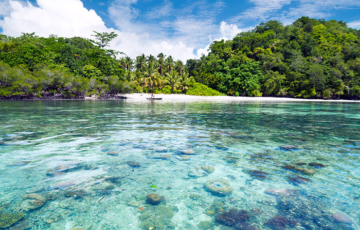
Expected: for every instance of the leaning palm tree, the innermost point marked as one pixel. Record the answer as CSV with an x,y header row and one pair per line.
x,y
173,79
152,77
186,81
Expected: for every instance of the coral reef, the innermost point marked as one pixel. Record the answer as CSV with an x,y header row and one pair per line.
x,y
245,226
257,174
219,187
277,223
33,201
154,198
288,147
208,169
157,217
8,219
197,172
232,217
316,165
299,169
133,164
296,180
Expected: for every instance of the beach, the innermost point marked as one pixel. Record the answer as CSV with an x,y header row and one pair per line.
x,y
189,98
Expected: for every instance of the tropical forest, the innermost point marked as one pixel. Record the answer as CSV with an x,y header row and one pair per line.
x,y
309,58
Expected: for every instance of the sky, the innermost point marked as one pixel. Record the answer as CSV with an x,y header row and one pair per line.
x,y
183,29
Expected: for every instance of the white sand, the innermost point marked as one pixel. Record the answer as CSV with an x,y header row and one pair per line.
x,y
187,98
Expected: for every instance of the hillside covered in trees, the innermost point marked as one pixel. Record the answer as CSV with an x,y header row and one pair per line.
x,y
309,59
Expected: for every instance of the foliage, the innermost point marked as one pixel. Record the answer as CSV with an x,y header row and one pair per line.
x,y
310,58
199,89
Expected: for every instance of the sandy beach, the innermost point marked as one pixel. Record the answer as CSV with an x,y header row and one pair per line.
x,y
187,98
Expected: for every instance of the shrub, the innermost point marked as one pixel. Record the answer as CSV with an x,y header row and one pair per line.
x,y
199,89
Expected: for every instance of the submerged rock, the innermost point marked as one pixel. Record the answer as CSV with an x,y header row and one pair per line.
x,y
208,169
289,147
112,153
341,218
299,169
298,180
133,164
9,219
316,165
280,192
257,174
232,217
33,201
204,225
279,223
187,152
219,187
76,193
197,172
64,184
183,158
154,198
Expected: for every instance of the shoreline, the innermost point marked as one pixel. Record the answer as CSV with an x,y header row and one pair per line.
x,y
138,97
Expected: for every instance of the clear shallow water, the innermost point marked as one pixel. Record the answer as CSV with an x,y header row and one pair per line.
x,y
70,165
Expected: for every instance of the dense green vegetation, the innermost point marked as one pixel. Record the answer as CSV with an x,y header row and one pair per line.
x,y
310,58
32,66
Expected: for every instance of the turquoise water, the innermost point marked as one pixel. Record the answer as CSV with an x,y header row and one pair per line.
x,y
92,165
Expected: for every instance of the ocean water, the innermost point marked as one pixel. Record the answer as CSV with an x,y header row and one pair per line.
x,y
199,165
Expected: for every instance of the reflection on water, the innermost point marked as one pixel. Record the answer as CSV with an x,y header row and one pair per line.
x,y
116,165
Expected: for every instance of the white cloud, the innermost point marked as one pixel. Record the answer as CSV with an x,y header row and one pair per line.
x,y
160,12
63,17
354,24
229,30
4,7
274,9
70,18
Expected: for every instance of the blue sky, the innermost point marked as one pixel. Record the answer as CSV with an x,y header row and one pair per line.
x,y
183,29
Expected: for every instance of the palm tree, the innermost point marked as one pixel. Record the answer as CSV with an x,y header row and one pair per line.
x,y
173,79
161,65
179,66
169,64
161,55
151,59
152,77
186,81
140,62
129,63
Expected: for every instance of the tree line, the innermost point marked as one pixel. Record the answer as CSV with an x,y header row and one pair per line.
x,y
309,59
32,66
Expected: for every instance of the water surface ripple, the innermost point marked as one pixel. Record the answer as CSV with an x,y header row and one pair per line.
x,y
256,165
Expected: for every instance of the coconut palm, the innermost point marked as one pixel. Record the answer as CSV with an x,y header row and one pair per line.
x,y
129,63
152,77
161,66
186,81
179,66
140,62
151,59
173,79
169,64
